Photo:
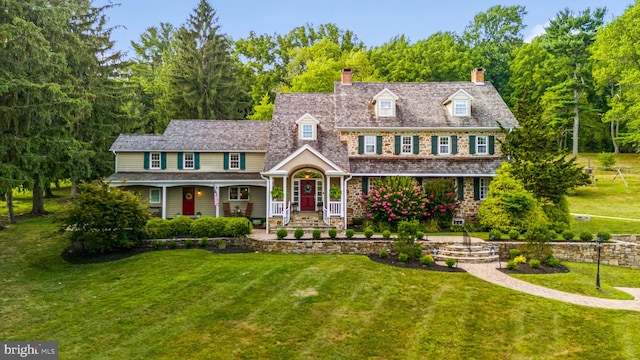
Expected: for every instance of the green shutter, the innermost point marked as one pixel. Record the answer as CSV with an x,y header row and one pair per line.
x,y
365,185
398,144
146,161
243,161
416,144
454,144
472,144
434,145
460,188
360,144
196,160
379,145
226,161
180,160
491,144
163,160
476,188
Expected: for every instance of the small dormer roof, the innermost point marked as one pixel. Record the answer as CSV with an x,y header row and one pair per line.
x,y
386,93
456,95
306,118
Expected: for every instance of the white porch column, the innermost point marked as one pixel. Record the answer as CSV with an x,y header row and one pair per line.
x,y
164,202
284,187
216,199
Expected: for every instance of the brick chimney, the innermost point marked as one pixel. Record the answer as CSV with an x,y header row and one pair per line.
x,y
477,76
346,76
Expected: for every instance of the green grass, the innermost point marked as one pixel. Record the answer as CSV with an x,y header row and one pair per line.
x,y
609,198
582,277
197,305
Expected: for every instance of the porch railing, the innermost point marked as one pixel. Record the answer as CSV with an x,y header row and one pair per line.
x,y
335,208
326,216
277,208
286,217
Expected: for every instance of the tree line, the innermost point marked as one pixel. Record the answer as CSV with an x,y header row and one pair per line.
x,y
66,92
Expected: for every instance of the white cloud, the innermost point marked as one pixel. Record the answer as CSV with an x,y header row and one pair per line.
x,y
536,31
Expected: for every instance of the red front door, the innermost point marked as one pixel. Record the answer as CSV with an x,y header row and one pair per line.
x,y
188,201
307,195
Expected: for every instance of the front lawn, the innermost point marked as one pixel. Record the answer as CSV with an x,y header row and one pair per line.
x,y
581,279
192,304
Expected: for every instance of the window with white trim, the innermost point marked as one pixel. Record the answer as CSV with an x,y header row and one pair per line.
x,y
155,162
460,107
296,190
234,161
188,161
444,145
307,132
155,196
385,107
369,144
482,145
237,193
484,188
406,145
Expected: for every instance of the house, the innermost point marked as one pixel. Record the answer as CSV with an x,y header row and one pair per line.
x,y
349,139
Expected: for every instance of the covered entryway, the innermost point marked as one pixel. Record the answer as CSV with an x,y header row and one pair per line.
x,y
307,195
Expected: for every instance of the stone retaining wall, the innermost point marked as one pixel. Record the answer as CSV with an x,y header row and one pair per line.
x,y
619,254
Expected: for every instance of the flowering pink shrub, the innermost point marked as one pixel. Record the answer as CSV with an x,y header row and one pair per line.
x,y
399,198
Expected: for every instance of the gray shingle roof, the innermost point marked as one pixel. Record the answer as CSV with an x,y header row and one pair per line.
x,y
470,166
420,105
200,135
283,139
182,176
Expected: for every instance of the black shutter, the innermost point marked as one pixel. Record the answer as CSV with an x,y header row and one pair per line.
x,y
434,145
476,188
472,144
416,144
398,144
454,144
491,144
460,188
365,185
379,145
360,144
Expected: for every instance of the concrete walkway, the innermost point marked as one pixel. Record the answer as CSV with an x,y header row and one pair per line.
x,y
490,273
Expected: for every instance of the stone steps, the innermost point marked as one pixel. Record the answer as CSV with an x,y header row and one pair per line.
x,y
307,222
473,254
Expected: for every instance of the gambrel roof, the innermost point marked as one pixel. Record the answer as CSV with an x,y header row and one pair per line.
x,y
420,105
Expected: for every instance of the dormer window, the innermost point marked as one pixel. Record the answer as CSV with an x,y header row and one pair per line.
x,y
460,107
307,127
385,102
459,104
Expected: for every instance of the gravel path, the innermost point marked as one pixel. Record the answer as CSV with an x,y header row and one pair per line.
x,y
490,273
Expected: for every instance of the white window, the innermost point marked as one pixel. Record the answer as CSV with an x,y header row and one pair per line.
x,y
154,196
460,107
407,145
296,190
239,193
482,144
385,108
484,188
369,144
307,131
319,190
188,161
234,161
155,161
444,145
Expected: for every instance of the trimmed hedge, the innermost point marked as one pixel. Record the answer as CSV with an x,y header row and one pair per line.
x,y
206,226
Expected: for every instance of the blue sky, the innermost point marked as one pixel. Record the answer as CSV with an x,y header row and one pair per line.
x,y
373,21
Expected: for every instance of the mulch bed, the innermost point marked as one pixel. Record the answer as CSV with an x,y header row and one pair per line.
x,y
73,255
526,269
413,264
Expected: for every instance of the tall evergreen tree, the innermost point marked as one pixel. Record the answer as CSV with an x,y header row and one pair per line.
x,y
201,78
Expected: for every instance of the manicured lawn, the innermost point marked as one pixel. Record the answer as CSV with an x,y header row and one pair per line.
x,y
609,198
582,278
191,304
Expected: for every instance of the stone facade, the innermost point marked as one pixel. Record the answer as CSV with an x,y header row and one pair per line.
x,y
388,141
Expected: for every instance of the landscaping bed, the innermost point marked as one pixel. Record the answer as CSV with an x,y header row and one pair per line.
x,y
527,269
413,264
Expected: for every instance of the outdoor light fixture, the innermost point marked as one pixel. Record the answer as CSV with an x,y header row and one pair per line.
x,y
599,244
199,192
306,176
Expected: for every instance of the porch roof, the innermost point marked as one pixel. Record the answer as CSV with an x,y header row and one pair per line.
x,y
182,176
426,166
